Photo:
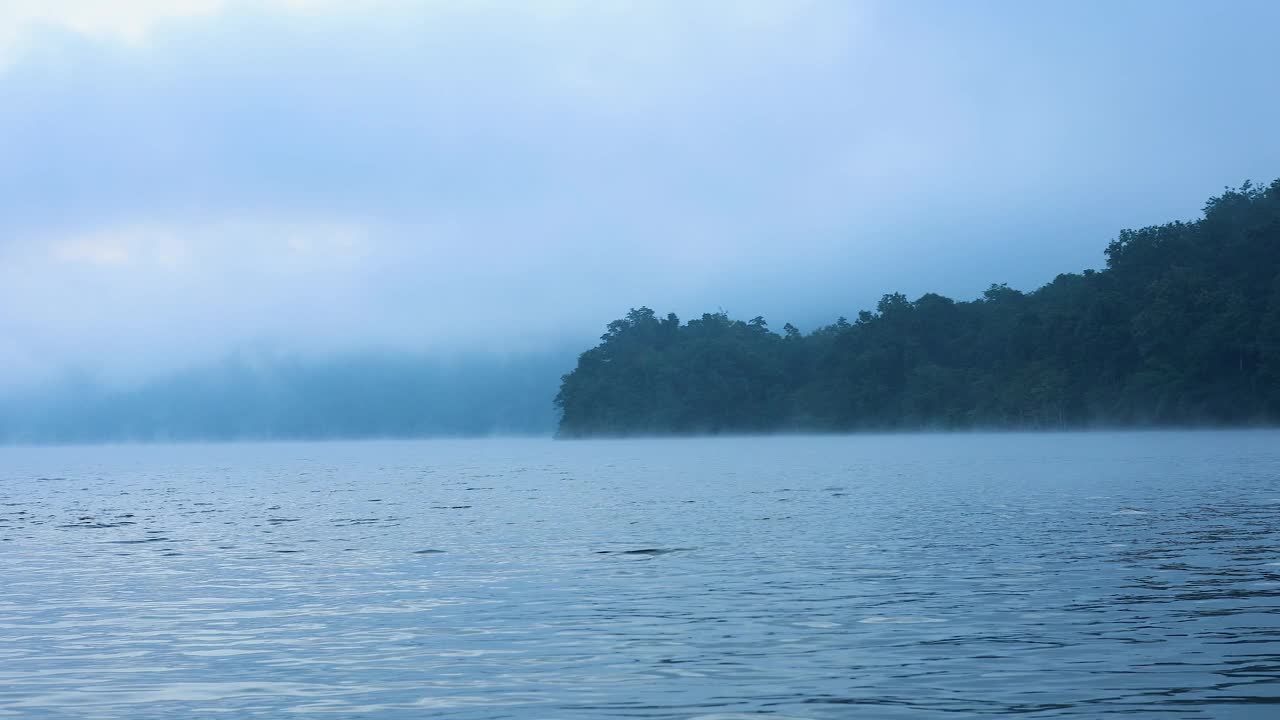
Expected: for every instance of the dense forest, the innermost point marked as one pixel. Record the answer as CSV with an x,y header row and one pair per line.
x,y
1182,327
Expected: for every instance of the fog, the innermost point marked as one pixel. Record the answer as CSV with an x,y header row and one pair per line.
x,y
356,395
336,193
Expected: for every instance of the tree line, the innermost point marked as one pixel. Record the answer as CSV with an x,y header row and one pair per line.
x,y
1181,328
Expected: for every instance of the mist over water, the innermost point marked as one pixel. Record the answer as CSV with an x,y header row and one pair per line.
x,y
231,226
358,395
1091,575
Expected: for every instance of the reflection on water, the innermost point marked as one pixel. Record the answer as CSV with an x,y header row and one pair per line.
x,y
1125,575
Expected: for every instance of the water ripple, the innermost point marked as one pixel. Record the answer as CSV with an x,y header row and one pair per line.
x,y
935,576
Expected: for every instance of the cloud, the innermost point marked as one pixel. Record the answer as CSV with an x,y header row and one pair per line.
x,y
127,22
184,179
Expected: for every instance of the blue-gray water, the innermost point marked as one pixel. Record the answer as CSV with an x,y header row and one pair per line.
x,y
1129,575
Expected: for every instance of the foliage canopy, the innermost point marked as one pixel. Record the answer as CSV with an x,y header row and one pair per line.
x,y
1182,327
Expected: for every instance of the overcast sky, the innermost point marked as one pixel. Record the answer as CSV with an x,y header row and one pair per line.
x,y
180,179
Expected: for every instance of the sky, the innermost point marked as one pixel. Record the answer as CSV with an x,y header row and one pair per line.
x,y
181,180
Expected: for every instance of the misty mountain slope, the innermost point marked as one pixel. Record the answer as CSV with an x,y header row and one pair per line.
x,y
1181,328
359,396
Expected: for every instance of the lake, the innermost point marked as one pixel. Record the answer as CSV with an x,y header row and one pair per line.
x,y
910,576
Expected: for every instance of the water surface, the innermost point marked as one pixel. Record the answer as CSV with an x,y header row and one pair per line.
x,y
1127,575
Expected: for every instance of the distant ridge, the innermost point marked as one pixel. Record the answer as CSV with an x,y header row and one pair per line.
x,y
362,395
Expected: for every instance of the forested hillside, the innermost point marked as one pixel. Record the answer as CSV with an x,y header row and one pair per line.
x,y
1182,327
